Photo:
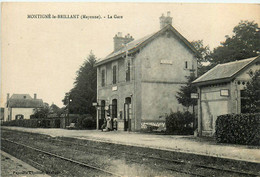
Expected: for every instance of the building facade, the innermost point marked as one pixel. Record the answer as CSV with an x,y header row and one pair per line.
x,y
221,92
138,81
21,106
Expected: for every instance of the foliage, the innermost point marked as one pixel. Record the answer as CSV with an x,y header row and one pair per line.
x,y
184,94
252,93
179,123
244,43
34,123
85,121
42,112
204,57
238,129
56,111
88,123
80,98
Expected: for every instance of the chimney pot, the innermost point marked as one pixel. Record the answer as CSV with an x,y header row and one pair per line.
x,y
35,96
120,41
164,21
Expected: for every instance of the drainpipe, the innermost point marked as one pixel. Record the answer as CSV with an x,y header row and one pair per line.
x,y
199,113
97,102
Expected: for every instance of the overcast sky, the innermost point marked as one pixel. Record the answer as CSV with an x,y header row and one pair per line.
x,y
42,55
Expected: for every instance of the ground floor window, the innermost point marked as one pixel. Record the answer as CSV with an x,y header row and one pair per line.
x,y
19,116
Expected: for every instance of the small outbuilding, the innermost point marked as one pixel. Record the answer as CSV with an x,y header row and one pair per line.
x,y
221,91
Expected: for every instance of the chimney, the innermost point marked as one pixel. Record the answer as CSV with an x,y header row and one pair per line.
x,y
164,21
35,96
7,98
120,41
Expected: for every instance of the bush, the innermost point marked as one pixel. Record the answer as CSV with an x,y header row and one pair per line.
x,y
238,129
34,123
179,123
88,123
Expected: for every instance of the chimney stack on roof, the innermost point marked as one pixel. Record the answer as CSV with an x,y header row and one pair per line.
x,y
7,97
164,21
120,41
35,96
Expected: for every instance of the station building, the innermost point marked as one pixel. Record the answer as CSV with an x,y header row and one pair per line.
x,y
138,81
221,91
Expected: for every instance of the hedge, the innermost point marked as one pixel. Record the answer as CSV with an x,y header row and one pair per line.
x,y
238,129
34,123
84,122
179,123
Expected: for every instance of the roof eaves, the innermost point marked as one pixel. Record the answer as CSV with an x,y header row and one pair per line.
x,y
205,74
185,41
143,43
246,66
215,81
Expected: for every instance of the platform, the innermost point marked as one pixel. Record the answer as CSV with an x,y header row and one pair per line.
x,y
11,166
187,144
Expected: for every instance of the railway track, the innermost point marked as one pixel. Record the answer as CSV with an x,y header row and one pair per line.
x,y
235,172
170,162
64,158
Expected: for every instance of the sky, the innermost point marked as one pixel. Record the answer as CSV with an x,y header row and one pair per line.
x,y
42,55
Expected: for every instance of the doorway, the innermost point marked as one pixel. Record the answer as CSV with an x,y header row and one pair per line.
x,y
127,114
102,113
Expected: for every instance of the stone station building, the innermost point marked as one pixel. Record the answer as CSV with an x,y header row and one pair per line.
x,y
138,81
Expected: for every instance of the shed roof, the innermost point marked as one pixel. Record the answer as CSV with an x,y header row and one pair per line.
x,y
225,72
137,44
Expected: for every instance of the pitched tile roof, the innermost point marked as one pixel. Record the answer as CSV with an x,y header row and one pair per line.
x,y
225,71
24,101
20,96
136,44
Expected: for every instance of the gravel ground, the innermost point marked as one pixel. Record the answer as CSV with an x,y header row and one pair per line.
x,y
187,144
11,166
125,160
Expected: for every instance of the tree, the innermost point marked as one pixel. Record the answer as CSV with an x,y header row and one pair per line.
x,y
204,58
54,109
80,98
184,94
244,43
42,112
252,94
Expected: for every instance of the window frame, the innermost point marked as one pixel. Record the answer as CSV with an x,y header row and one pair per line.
x,y
128,71
114,74
103,78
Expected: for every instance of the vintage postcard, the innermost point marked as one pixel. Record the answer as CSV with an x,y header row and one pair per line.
x,y
130,89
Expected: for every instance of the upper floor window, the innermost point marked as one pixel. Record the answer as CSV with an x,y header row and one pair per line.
x,y
186,65
103,78
128,72
114,74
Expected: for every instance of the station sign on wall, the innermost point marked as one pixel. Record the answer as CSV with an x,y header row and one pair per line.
x,y
167,62
224,92
194,95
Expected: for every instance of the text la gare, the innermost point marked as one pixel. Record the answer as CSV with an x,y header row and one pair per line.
x,y
114,16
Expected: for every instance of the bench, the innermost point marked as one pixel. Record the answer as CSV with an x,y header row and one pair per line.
x,y
71,126
151,128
